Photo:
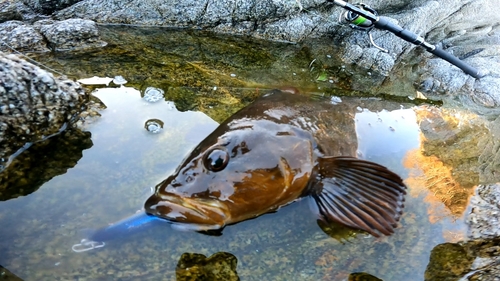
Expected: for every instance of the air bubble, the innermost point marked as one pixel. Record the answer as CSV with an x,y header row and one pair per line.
x,y
154,126
152,94
335,100
119,80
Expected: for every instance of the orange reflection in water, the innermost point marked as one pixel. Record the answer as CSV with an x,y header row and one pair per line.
x,y
439,169
428,173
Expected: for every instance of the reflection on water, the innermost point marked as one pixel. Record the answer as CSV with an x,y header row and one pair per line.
x,y
432,148
45,160
108,183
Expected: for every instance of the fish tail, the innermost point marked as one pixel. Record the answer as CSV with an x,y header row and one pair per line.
x,y
359,194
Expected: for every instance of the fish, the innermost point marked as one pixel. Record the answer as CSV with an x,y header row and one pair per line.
x,y
282,148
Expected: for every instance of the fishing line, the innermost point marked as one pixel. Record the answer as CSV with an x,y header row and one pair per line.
x,y
39,64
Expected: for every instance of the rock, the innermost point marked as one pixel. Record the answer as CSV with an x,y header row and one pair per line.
x,y
490,156
9,11
21,37
473,260
16,10
268,19
46,35
72,34
465,28
484,218
478,43
33,104
47,7
362,276
459,26
219,266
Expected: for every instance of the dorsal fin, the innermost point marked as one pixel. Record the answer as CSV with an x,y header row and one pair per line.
x,y
358,193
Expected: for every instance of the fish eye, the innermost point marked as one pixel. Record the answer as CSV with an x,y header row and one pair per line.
x,y
216,159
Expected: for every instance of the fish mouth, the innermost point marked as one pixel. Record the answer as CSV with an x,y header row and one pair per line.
x,y
200,213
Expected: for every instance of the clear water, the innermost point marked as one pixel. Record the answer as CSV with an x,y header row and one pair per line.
x,y
113,177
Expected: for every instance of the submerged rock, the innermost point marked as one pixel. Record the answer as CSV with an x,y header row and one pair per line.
x,y
219,266
478,258
474,260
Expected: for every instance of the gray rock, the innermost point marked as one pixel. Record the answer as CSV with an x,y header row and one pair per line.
x,y
72,34
470,33
484,218
16,35
47,7
46,35
33,104
16,10
9,11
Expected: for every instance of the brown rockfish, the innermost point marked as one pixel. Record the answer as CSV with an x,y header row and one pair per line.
x,y
283,147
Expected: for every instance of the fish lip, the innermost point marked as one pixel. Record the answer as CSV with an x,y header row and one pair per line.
x,y
202,207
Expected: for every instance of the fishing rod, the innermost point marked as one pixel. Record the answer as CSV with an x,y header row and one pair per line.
x,y
363,17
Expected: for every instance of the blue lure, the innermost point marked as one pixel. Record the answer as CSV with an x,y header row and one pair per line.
x,y
98,238
122,227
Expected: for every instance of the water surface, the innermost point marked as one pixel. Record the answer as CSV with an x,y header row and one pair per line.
x,y
207,77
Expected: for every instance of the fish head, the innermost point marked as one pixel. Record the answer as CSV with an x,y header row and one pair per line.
x,y
245,168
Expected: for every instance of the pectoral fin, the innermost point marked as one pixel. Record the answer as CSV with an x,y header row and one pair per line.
x,y
360,194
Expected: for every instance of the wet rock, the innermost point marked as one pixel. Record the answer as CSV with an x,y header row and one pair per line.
x,y
33,104
362,276
474,260
72,34
484,218
219,266
448,261
465,28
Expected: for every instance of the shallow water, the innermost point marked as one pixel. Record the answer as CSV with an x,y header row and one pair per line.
x,y
435,149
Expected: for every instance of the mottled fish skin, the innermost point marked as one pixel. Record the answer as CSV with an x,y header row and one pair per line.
x,y
282,147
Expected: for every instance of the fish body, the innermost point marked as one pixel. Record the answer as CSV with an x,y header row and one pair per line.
x,y
283,147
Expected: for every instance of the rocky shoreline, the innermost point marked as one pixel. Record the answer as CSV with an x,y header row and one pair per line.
x,y
468,29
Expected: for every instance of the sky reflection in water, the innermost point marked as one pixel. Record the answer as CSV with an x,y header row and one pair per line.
x,y
112,181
